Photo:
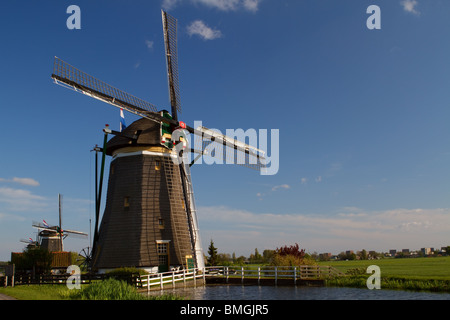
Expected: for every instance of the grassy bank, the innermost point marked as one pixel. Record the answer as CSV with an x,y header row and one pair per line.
x,y
102,290
430,274
406,268
393,283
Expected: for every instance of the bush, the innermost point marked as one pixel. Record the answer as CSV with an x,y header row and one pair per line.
x,y
33,258
110,289
356,271
291,256
128,274
123,272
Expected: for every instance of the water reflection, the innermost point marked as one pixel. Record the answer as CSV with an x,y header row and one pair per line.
x,y
237,292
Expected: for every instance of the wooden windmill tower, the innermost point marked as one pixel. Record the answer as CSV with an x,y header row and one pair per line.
x,y
30,243
51,237
150,216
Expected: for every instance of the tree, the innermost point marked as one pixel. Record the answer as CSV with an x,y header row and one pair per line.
x,y
291,256
256,258
212,251
291,250
268,255
37,259
363,255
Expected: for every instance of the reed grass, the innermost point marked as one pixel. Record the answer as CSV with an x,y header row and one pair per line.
x,y
395,283
110,289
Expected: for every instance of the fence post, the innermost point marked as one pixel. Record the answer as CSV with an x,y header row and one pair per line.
x,y
193,275
204,276
227,270
148,283
242,274
160,280
184,277
259,274
295,275
173,279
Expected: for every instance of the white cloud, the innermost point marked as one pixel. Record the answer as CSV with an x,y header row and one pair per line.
x,y
149,44
283,186
22,200
410,6
223,5
10,194
304,180
24,181
319,179
251,5
10,217
199,28
349,229
169,4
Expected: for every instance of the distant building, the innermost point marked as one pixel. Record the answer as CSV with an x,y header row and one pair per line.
x,y
426,251
325,256
393,252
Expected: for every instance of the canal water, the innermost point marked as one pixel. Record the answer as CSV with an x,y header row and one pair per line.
x,y
238,292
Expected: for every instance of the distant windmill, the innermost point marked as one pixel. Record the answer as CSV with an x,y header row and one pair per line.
x,y
51,236
30,243
150,216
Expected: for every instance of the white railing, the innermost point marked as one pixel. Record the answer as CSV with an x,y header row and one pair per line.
x,y
255,273
172,277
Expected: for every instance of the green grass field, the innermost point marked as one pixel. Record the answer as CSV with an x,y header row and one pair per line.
x,y
436,268
426,274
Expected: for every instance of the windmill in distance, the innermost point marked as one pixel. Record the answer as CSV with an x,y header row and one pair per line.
x,y
51,237
30,243
150,218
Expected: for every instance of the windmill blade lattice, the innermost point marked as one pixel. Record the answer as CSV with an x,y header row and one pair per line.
x,y
227,150
77,80
170,40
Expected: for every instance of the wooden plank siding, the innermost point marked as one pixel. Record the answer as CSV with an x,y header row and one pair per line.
x,y
143,191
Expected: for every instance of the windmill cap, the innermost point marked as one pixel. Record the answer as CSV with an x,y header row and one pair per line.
x,y
149,136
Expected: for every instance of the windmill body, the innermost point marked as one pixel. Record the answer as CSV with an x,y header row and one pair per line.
x,y
51,240
144,224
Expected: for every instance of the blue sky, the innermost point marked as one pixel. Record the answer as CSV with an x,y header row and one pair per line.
x,y
362,116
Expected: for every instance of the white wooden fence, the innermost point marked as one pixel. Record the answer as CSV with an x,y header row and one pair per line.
x,y
294,274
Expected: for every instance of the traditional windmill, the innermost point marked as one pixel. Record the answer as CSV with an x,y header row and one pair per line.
x,y
150,216
30,243
51,237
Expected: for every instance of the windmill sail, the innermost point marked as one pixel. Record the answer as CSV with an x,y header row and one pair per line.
x,y
170,41
70,77
228,150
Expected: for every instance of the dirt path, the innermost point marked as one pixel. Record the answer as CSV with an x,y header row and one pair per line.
x,y
5,297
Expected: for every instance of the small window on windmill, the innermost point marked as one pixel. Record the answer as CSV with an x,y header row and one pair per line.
x,y
126,202
162,248
157,165
161,223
